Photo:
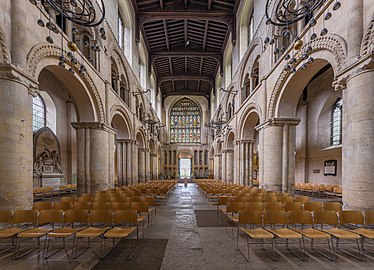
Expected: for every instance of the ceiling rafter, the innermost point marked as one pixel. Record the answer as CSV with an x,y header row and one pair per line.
x,y
166,34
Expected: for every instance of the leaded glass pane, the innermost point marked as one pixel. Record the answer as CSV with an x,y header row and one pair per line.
x,y
38,113
336,123
185,122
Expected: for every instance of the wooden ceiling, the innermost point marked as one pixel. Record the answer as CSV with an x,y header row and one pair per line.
x,y
185,41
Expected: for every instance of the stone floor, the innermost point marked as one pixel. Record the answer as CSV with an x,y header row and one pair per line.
x,y
192,247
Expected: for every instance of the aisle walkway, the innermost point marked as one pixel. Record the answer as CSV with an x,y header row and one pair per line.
x,y
185,235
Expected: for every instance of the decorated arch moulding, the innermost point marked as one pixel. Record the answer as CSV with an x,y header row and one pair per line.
x,y
333,44
4,54
251,108
249,58
367,45
118,109
120,65
46,50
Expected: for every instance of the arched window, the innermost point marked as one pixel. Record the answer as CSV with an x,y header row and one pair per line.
x,y
185,122
38,113
336,122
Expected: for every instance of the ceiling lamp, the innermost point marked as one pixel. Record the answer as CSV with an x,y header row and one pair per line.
x,y
85,13
285,13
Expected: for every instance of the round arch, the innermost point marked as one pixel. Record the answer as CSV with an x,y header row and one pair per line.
x,y
327,49
121,112
140,137
249,58
44,55
247,127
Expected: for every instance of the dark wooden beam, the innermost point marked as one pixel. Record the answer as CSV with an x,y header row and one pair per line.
x,y
192,15
209,4
166,34
173,78
185,32
205,34
188,53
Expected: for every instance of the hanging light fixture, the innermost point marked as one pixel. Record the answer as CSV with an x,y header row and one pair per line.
x,y
84,13
285,13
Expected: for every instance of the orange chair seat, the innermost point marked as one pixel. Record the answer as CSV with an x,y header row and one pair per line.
x,y
63,232
34,233
140,218
342,234
314,234
10,232
365,232
258,233
286,233
118,232
92,232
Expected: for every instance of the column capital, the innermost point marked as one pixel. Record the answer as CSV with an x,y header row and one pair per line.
x,y
93,125
243,141
278,122
124,140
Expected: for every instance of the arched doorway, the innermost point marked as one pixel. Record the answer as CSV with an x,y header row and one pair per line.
x,y
250,143
184,164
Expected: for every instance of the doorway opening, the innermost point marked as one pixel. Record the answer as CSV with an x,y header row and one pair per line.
x,y
185,168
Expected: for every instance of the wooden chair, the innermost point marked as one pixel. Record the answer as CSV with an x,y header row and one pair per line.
x,y
305,218
336,206
120,206
71,217
82,205
279,218
60,205
302,199
293,206
69,199
330,217
95,217
313,206
30,217
273,206
125,223
254,232
47,205
8,230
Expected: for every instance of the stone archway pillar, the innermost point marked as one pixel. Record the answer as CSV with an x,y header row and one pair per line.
x,y
358,141
16,140
95,161
142,164
229,165
223,165
278,153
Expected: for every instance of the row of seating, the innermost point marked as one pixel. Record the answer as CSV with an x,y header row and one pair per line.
x,y
41,193
307,225
58,224
319,190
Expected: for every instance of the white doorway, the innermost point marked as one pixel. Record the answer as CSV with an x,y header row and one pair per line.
x,y
185,168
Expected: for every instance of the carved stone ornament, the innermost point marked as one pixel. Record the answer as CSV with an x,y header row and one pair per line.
x,y
330,43
46,153
46,50
367,45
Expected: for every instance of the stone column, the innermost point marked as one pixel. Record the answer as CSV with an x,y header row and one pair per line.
x,y
358,140
235,163
95,143
119,153
19,32
250,163
147,164
355,33
16,140
219,169
223,164
124,163
135,163
242,163
285,160
230,165
141,164
130,169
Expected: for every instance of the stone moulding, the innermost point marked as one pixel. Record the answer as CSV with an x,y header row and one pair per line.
x,y
45,50
121,66
4,54
367,45
330,43
256,49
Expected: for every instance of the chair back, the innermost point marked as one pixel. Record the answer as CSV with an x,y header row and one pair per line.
x,y
351,217
300,217
42,206
5,216
25,216
293,206
49,217
75,216
125,217
100,216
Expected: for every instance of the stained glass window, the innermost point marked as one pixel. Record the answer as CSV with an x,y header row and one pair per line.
x,y
185,122
336,123
38,113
